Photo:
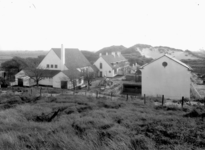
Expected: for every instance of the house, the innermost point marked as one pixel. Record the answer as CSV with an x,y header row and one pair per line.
x,y
113,64
166,76
60,68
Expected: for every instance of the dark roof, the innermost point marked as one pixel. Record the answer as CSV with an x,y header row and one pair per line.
x,y
45,73
95,69
112,59
72,73
73,58
168,56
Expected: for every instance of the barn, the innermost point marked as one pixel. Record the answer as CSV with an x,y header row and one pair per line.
x,y
166,76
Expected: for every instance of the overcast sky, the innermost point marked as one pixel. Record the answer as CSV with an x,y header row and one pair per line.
x,y
94,24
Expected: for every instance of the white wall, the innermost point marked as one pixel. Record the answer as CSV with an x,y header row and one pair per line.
x,y
27,81
172,81
46,81
61,77
52,59
105,67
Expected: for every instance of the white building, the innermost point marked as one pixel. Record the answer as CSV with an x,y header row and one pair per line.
x,y
113,64
166,76
59,67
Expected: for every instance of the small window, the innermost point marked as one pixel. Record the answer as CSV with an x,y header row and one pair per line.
x,y
47,65
51,66
109,71
56,66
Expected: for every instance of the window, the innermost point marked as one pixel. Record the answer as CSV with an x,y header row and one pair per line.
x,y
164,64
51,66
56,66
47,65
109,71
100,65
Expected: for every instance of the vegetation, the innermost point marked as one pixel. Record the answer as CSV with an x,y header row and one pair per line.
x,y
16,64
198,66
82,123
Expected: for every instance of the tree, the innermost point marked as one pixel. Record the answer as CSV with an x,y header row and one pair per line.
x,y
35,74
16,64
13,66
88,77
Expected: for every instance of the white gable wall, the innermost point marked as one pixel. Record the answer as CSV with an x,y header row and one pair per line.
x,y
172,81
27,81
46,81
61,77
52,59
106,69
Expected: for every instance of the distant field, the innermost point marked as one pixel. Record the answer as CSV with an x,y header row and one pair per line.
x,y
6,55
198,66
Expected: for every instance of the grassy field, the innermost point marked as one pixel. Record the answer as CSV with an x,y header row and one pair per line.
x,y
85,123
6,55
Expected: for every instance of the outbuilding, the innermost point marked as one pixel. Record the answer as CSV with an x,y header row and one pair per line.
x,y
166,76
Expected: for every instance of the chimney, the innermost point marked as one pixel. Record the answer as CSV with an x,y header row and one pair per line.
x,y
113,53
106,53
100,54
62,57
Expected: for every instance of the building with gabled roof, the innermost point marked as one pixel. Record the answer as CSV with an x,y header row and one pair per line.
x,y
59,68
166,76
113,64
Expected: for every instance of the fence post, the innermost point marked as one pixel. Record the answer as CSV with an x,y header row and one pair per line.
x,y
40,91
182,101
162,100
144,99
85,92
96,94
127,97
111,95
204,101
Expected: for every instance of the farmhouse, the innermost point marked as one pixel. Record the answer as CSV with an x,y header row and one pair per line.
x,y
166,76
60,68
113,64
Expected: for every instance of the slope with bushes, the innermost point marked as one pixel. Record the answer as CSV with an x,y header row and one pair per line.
x,y
79,123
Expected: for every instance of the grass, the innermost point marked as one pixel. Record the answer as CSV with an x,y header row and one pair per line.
x,y
85,123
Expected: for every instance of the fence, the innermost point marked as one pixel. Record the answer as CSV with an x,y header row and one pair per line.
x,y
48,91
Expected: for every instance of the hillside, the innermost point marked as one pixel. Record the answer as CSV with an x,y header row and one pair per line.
x,y
110,49
86,123
149,51
91,56
155,52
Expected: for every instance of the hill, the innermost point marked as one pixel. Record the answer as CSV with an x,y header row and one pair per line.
x,y
91,56
151,52
111,49
157,51
86,123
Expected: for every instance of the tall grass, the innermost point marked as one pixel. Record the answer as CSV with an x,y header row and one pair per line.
x,y
87,123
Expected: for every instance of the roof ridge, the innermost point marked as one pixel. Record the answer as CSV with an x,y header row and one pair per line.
x,y
170,57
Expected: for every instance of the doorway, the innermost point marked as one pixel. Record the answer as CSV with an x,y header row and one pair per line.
x,y
101,74
64,84
20,82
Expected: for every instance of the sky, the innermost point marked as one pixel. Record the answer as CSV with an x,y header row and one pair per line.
x,y
94,24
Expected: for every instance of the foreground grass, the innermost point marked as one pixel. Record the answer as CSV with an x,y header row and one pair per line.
x,y
82,123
